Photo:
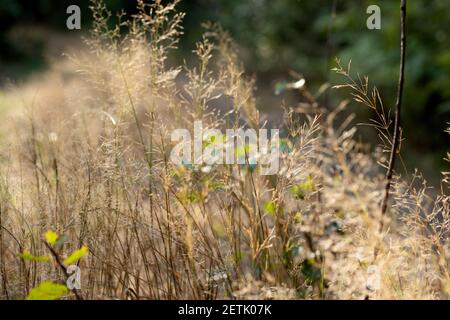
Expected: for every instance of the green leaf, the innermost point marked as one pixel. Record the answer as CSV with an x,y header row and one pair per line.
x,y
286,146
298,217
51,237
76,255
219,229
270,208
26,255
308,185
193,196
47,290
302,189
242,151
213,139
217,185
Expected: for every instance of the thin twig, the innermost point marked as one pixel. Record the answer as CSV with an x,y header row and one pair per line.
x,y
398,106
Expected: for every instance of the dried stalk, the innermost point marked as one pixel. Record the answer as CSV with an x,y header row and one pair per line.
x,y
398,106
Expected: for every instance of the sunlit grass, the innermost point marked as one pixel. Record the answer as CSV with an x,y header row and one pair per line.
x,y
88,180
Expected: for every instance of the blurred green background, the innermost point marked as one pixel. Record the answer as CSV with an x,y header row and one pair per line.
x,y
276,36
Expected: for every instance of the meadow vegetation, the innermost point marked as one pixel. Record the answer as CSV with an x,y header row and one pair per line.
x,y
91,164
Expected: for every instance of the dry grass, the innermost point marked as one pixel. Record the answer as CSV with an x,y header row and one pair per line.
x,y
91,162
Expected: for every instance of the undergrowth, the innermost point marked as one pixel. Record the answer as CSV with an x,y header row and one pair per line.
x,y
93,165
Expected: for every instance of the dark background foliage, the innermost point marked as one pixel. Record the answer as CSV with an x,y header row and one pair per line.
x,y
275,37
